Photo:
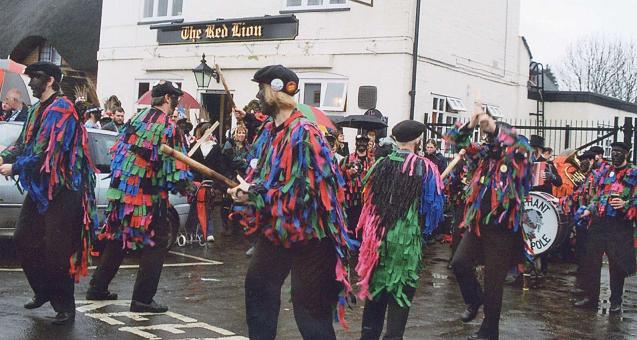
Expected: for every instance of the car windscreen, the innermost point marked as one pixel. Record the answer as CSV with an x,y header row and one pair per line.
x,y
9,133
99,145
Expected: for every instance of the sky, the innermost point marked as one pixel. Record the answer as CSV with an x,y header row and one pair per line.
x,y
550,26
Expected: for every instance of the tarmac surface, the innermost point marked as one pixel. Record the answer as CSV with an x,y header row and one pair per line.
x,y
203,286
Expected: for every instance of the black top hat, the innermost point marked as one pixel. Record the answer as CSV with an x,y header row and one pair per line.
x,y
622,146
537,141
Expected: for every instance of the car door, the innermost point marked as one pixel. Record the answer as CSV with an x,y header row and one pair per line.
x,y
10,197
100,143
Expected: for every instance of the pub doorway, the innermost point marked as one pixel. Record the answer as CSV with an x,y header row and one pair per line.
x,y
217,108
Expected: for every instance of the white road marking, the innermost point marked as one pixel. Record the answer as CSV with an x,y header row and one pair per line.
x,y
135,266
145,331
195,257
172,328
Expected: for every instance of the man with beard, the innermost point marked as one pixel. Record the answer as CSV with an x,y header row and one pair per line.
x,y
118,121
296,207
612,211
57,219
403,201
137,213
499,183
355,168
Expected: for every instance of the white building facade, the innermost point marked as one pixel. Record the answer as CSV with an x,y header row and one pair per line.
x,y
468,50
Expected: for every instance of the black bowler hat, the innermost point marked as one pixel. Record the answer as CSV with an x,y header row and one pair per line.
x,y
50,69
597,150
587,155
537,141
408,130
621,145
279,77
165,88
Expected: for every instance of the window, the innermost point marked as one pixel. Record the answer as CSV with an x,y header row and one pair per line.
x,y
295,5
162,9
455,105
445,112
494,111
325,91
50,54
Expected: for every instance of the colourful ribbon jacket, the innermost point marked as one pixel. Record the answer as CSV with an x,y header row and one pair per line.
x,y
607,180
500,172
354,182
51,154
403,200
142,177
297,191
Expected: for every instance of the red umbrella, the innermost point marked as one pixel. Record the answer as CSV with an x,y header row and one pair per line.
x,y
186,101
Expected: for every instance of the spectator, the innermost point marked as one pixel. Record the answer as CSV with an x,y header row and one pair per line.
x,y
14,107
92,116
342,147
117,123
431,152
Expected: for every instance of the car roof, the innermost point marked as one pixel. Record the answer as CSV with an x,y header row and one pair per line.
x,y
98,131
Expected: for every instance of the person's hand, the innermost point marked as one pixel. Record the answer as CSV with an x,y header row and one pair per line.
x,y
617,203
475,119
586,213
238,113
487,124
6,169
239,193
462,152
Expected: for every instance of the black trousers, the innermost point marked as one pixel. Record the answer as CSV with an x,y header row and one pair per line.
x,y
374,316
497,248
615,238
314,288
581,241
353,215
44,244
151,263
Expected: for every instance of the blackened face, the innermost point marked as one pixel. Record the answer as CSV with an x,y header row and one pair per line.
x,y
38,85
585,165
267,109
361,145
618,157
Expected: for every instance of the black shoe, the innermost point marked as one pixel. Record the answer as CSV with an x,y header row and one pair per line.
x,y
152,307
36,302
100,295
615,308
585,303
63,318
470,313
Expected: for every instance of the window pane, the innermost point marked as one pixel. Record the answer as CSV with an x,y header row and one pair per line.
x,y
334,2
334,95
312,94
55,57
148,8
142,88
435,103
162,8
294,2
314,2
177,7
100,145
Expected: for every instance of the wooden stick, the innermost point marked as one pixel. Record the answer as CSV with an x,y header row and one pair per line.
x,y
203,138
453,164
225,86
204,170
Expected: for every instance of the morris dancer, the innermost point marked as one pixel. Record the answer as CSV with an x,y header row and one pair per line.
x,y
403,200
498,188
137,213
613,212
297,199
355,168
58,215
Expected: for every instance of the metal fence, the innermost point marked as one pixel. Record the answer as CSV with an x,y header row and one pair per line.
x,y
561,135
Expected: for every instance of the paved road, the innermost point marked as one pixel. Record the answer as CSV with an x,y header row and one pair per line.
x,y
204,289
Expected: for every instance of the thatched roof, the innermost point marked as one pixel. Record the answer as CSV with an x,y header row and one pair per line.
x,y
71,26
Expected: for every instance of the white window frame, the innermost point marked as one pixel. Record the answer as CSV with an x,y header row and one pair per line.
x,y
455,105
324,79
54,55
494,111
304,6
155,17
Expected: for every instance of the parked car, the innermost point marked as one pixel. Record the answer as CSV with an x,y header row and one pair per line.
x,y
100,142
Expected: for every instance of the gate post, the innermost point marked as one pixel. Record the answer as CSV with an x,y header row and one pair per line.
x,y
426,137
616,125
567,137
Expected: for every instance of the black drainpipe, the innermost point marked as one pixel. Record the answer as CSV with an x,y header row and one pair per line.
x,y
414,67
